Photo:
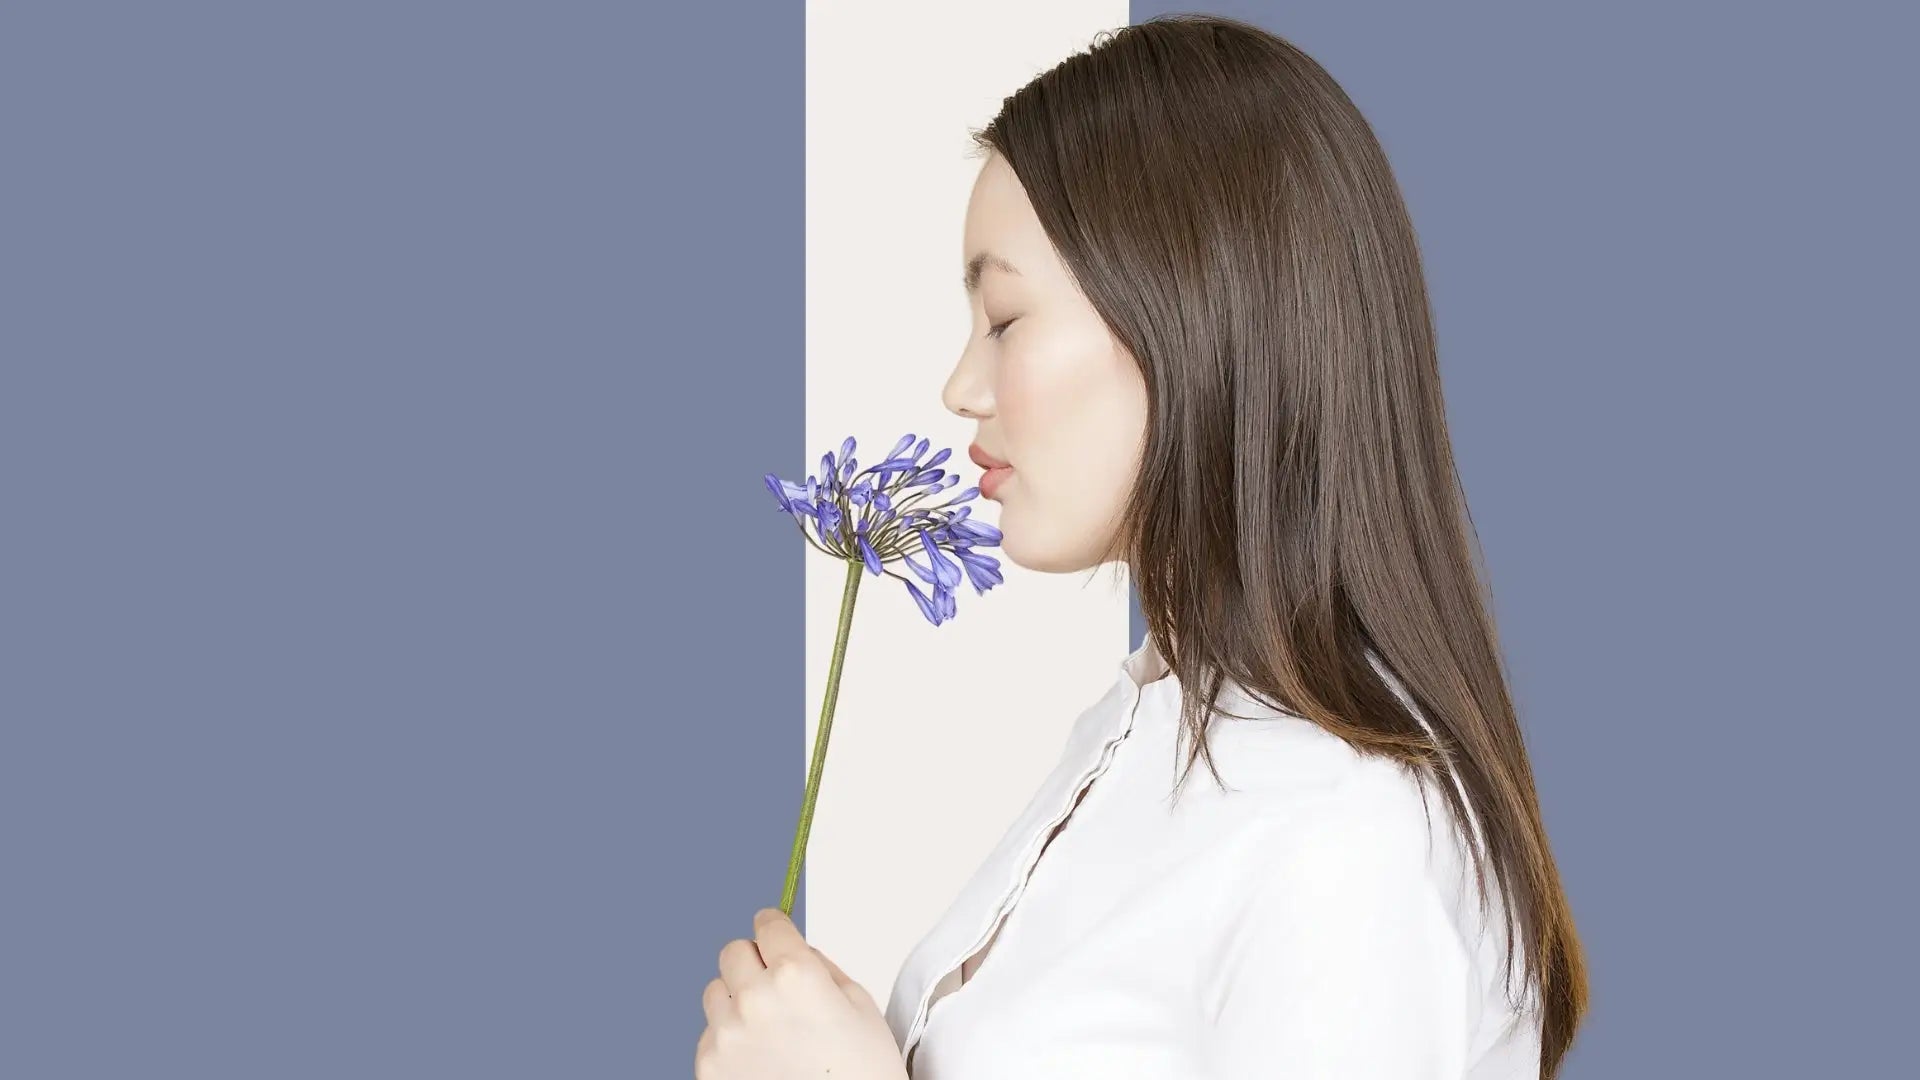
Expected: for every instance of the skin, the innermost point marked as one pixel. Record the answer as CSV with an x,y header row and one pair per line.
x,y
1055,394
1058,398
781,1010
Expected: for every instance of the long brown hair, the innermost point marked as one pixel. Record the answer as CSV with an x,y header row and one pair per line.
x,y
1228,211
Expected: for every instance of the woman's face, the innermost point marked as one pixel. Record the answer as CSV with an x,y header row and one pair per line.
x,y
1056,396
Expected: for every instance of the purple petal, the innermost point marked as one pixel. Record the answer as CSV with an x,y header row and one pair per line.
x,y
947,570
977,532
891,466
829,519
919,571
983,571
926,606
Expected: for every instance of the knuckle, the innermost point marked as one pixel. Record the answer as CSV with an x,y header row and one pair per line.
x,y
751,1000
789,973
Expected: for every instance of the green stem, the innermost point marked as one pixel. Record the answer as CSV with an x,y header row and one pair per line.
x,y
819,763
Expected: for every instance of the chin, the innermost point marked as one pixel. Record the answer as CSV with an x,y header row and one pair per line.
x,y
1016,549
1020,549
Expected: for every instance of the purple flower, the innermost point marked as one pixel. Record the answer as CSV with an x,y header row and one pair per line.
x,y
878,515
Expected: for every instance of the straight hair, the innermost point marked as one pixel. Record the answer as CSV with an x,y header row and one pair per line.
x,y
1297,517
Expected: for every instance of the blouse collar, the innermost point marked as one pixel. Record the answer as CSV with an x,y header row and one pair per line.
x,y
1144,665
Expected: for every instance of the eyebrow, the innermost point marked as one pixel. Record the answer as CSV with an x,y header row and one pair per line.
x,y
979,264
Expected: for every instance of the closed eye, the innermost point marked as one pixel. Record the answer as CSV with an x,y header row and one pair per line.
x,y
1000,328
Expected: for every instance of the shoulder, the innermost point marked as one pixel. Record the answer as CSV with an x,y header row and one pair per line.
x,y
1309,796
1323,810
1353,924
1274,761
1376,844
1363,863
1337,837
1372,819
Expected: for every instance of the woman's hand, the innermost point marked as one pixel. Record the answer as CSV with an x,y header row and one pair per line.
x,y
781,1010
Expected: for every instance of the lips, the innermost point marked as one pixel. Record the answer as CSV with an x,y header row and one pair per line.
x,y
983,459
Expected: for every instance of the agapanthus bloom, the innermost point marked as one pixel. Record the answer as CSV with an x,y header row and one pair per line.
x,y
871,515
869,519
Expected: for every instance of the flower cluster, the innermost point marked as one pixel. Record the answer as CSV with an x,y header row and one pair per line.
x,y
870,516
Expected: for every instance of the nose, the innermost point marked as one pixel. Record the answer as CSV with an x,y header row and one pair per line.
x,y
968,392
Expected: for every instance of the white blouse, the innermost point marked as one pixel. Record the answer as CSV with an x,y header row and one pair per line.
x,y
1310,922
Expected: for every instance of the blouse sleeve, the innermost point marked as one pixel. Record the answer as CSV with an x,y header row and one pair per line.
x,y
1347,965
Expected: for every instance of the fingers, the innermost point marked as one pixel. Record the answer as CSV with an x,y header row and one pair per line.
x,y
703,1055
717,1002
777,937
740,964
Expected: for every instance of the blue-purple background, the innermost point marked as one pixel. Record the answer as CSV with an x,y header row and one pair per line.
x,y
384,392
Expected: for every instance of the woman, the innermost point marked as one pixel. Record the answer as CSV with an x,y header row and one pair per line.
x,y
1202,347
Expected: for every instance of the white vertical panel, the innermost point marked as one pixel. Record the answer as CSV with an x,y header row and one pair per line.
x,y
941,733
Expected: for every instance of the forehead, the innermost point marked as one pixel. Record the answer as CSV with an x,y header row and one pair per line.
x,y
1001,222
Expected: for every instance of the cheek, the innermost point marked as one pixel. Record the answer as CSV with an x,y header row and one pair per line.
x,y
1021,403
1055,393
1072,416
